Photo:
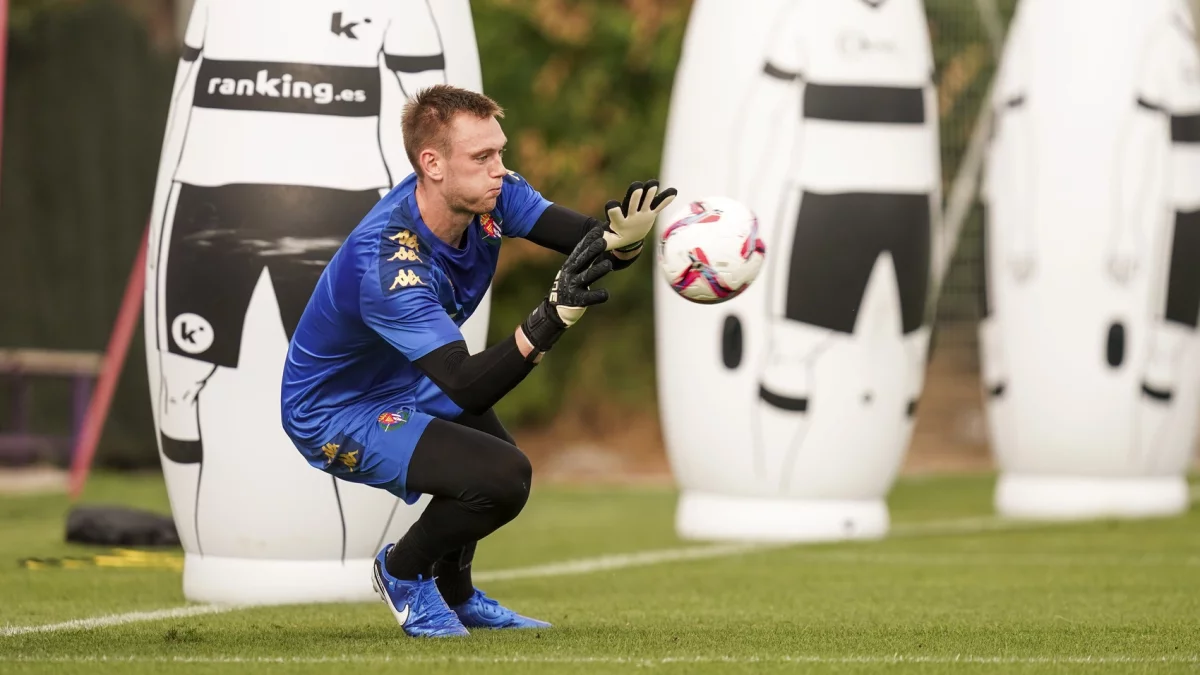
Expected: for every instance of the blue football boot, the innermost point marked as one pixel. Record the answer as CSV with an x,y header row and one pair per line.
x,y
480,611
417,605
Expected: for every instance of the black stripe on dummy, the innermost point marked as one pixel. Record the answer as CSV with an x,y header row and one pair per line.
x,y
846,103
1148,105
782,402
345,91
1114,346
182,452
1164,395
1183,280
414,64
771,70
731,342
189,54
838,239
1185,128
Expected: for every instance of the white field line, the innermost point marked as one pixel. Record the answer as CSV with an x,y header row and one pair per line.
x,y
882,659
997,559
655,557
587,566
115,619
620,561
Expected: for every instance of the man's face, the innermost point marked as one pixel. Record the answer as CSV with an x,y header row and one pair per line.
x,y
475,168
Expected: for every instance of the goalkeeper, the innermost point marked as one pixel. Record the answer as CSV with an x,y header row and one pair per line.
x,y
379,387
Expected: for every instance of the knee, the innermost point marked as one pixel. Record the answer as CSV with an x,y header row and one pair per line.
x,y
507,488
515,478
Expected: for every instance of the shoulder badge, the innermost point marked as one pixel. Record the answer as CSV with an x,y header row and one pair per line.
x,y
490,225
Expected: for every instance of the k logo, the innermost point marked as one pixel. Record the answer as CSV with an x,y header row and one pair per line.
x,y
347,29
192,333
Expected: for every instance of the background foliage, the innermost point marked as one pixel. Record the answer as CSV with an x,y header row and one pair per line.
x,y
586,86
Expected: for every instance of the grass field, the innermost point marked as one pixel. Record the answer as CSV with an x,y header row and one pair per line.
x,y
953,589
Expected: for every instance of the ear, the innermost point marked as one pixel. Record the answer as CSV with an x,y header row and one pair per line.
x,y
433,165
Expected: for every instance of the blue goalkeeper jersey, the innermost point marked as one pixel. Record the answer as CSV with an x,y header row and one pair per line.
x,y
391,294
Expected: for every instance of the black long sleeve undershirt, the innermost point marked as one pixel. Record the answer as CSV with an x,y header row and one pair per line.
x,y
475,382
560,229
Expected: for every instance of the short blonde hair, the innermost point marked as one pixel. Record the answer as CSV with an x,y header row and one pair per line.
x,y
428,115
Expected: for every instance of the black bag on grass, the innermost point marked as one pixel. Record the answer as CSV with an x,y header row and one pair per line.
x,y
119,526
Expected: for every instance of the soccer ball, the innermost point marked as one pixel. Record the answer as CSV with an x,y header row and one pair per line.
x,y
713,252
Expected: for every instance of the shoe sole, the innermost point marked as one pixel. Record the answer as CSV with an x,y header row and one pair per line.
x,y
375,585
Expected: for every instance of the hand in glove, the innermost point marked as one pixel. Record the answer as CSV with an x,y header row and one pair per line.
x,y
631,220
570,296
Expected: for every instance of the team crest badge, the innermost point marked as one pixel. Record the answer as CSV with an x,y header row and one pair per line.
x,y
491,228
392,420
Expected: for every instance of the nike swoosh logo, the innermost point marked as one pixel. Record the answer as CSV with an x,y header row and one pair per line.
x,y
402,616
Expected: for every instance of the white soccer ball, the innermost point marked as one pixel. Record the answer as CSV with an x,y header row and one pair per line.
x,y
712,252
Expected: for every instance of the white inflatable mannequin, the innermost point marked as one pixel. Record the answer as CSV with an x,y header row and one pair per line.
x,y
283,131
835,147
1089,344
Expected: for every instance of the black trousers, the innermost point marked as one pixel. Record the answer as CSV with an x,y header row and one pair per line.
x,y
479,481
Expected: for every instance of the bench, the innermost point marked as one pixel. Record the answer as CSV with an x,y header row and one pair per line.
x,y
20,445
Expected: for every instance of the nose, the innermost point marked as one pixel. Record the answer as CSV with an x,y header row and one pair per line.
x,y
498,169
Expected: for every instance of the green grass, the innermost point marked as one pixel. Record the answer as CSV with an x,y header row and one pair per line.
x,y
1029,599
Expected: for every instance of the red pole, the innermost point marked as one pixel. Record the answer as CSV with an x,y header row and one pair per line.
x,y
114,359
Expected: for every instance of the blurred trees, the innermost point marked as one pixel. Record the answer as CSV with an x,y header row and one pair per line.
x,y
86,104
586,86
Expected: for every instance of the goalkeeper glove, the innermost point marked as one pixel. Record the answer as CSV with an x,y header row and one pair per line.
x,y
570,296
631,220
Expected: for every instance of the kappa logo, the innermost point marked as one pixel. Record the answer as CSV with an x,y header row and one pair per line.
x,y
404,254
334,454
407,251
405,238
405,279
